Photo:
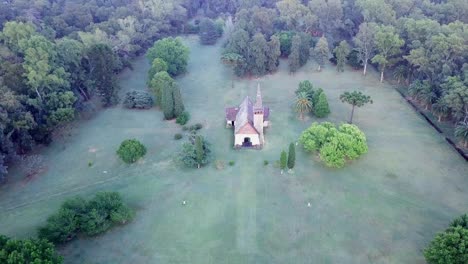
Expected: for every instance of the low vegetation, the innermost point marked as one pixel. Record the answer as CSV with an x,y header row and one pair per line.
x,y
183,118
334,145
195,152
131,150
16,251
138,100
78,216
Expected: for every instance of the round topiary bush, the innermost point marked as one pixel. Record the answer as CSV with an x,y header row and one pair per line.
x,y
183,118
131,150
138,100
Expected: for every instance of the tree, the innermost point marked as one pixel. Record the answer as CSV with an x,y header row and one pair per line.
x,y
138,99
159,83
157,66
388,44
259,50
307,88
329,13
400,73
341,52
461,132
334,146
3,168
273,53
16,32
283,161
448,247
355,98
377,11
292,12
178,103
102,64
292,156
192,155
321,108
208,32
131,150
173,52
441,108
365,42
303,104
294,57
167,101
28,251
321,52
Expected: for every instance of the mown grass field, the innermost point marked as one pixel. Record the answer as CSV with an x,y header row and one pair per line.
x,y
383,208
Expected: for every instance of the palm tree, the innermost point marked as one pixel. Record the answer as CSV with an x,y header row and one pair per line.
x,y
441,109
461,132
427,96
400,73
303,104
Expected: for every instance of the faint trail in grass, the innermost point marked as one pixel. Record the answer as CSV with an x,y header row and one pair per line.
x,y
247,212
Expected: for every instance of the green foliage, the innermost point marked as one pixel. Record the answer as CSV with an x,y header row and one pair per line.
x,y
158,65
321,108
354,60
355,98
335,145
183,118
178,136
448,247
173,52
321,52
461,132
232,163
209,31
388,44
341,52
159,83
192,155
90,218
283,160
285,39
307,88
131,150
138,99
292,156
178,103
17,251
266,162
259,51
303,104
294,57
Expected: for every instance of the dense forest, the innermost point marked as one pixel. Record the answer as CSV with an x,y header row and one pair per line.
x,y
56,56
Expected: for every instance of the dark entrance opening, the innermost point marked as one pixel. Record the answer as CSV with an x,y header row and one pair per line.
x,y
232,123
247,142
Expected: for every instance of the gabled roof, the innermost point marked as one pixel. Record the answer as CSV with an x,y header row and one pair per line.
x,y
247,129
245,114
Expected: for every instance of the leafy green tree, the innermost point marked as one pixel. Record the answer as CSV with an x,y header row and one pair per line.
x,y
189,155
294,57
159,83
321,109
102,63
14,33
28,251
178,103
292,12
388,44
157,66
259,50
208,33
131,150
448,247
173,52
341,52
461,132
378,11
292,156
283,161
167,101
199,150
335,146
321,52
460,221
329,13
355,98
285,38
365,42
273,54
456,96
400,72
441,109
303,104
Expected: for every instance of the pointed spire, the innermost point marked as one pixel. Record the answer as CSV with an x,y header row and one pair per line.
x,y
258,103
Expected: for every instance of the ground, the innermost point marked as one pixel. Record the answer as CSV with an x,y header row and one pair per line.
x,y
382,208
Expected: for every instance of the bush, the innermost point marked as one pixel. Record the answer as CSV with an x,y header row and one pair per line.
x,y
335,146
177,136
197,126
354,60
173,52
27,251
321,109
92,217
209,32
232,163
195,152
266,162
185,128
138,100
183,118
131,150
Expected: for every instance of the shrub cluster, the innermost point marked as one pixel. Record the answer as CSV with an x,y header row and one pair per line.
x,y
195,152
335,145
138,99
28,251
183,118
131,150
450,246
78,216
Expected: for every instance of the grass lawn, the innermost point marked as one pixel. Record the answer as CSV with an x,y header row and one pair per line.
x,y
382,208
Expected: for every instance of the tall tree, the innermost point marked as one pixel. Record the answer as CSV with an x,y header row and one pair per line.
x,y
294,57
173,52
365,42
199,150
377,11
167,101
321,52
329,13
388,44
292,156
461,132
158,65
102,63
283,161
292,12
259,50
355,98
178,103
321,108
273,54
341,52
208,32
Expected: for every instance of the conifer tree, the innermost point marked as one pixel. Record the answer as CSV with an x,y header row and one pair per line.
x,y
178,103
320,52
292,156
321,108
167,101
283,161
199,151
341,52
294,57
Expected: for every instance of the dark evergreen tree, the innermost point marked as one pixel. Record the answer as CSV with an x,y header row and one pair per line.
x,y
292,156
102,64
167,101
258,51
273,53
178,103
321,109
209,32
294,57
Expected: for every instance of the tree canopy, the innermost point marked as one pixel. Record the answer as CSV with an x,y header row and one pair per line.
x,y
173,52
